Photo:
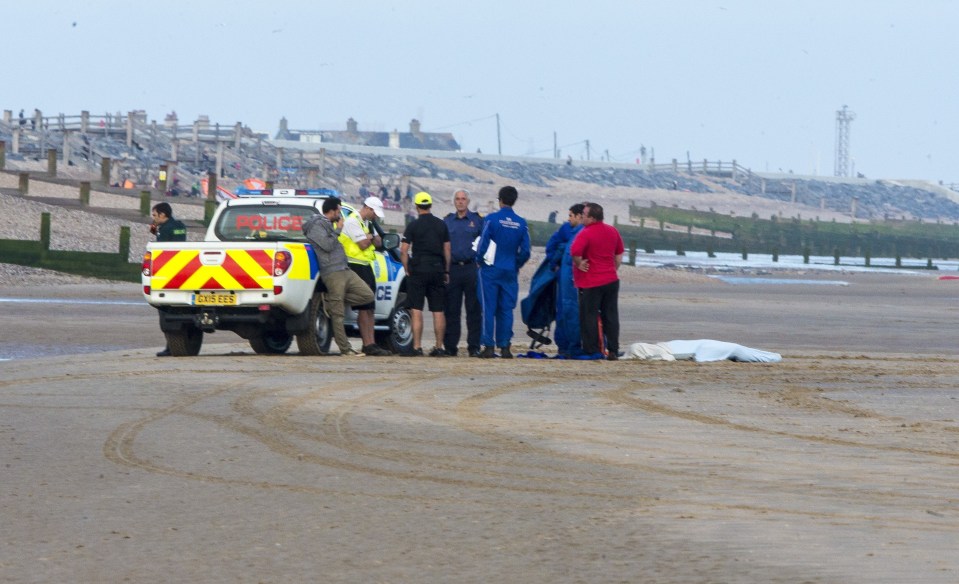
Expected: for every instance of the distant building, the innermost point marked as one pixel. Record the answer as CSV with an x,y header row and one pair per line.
x,y
414,139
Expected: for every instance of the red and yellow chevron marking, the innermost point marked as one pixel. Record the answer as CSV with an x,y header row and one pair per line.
x,y
300,270
240,270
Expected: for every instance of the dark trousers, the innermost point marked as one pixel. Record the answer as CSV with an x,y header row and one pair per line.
x,y
604,302
462,287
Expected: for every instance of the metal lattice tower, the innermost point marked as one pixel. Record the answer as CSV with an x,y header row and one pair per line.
x,y
843,117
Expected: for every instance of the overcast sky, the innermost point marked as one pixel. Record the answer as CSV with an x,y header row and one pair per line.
x,y
758,81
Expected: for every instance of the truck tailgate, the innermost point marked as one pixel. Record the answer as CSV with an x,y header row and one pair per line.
x,y
223,273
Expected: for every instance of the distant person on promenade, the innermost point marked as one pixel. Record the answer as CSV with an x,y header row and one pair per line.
x,y
508,233
597,252
425,252
464,227
166,228
567,337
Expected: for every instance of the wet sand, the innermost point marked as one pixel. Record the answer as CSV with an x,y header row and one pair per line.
x,y
837,465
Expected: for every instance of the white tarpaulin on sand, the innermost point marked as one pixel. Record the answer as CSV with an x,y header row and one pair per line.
x,y
701,350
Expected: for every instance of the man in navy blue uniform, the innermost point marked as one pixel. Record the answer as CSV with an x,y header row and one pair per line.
x,y
464,227
499,281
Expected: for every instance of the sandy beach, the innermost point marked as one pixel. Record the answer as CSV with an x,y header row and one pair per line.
x,y
836,465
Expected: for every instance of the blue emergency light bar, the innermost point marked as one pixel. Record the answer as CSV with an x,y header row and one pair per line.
x,y
243,192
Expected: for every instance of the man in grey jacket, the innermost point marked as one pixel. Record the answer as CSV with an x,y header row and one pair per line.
x,y
343,286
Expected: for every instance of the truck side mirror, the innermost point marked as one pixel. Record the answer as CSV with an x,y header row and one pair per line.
x,y
391,241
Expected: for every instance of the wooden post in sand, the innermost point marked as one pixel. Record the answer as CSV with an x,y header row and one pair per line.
x,y
24,183
209,207
85,193
52,161
125,243
105,170
45,230
211,186
145,206
3,154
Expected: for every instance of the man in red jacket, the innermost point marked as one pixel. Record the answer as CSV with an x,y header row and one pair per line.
x,y
597,254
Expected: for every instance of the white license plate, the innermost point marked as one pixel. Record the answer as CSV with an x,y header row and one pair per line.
x,y
213,299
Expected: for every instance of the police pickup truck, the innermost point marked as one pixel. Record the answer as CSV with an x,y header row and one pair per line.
x,y
255,274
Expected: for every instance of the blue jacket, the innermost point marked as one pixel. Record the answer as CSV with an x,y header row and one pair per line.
x,y
462,233
511,235
557,243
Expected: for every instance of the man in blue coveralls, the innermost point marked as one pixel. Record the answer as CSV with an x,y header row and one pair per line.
x,y
567,302
499,282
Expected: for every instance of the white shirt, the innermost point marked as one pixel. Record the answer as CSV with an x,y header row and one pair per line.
x,y
353,229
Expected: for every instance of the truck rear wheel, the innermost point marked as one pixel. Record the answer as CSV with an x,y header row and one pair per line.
x,y
185,342
315,340
271,343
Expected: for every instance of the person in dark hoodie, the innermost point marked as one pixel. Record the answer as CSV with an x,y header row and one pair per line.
x,y
342,284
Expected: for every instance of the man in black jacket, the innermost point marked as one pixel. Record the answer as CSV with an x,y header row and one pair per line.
x,y
166,228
